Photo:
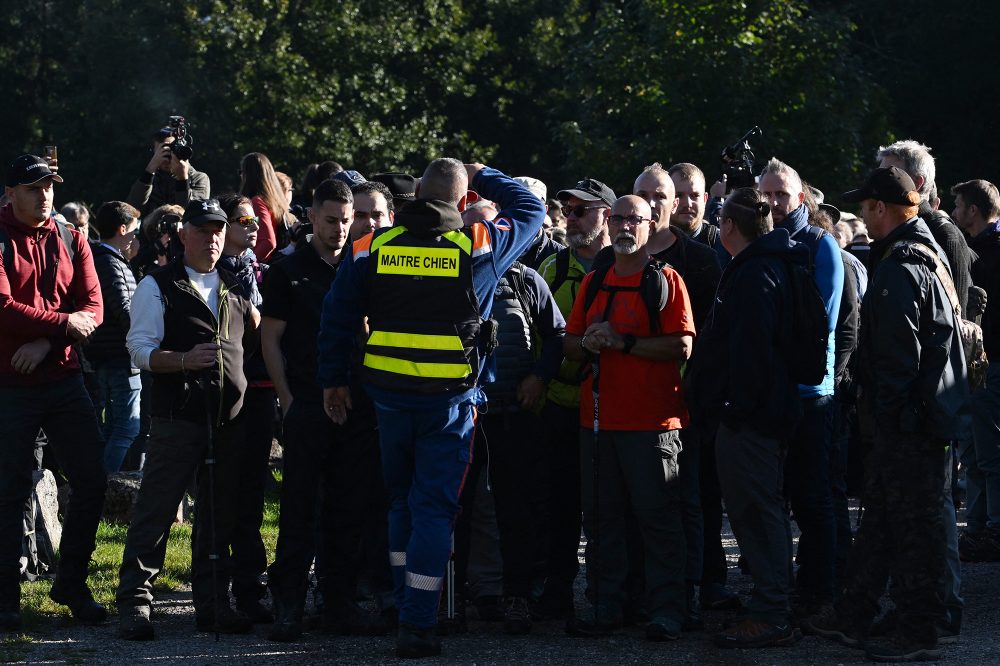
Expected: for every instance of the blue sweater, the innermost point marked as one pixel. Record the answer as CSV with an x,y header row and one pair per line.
x,y
510,234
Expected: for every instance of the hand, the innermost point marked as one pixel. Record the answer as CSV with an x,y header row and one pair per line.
x,y
472,169
718,189
531,392
201,356
336,402
602,336
286,403
29,355
161,153
80,325
179,168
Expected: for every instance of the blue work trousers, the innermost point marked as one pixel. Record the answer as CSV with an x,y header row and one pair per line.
x,y
425,456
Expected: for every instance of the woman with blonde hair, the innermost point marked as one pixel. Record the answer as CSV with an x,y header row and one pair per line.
x,y
259,183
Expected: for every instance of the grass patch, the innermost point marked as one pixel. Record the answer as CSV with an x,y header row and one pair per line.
x,y
107,558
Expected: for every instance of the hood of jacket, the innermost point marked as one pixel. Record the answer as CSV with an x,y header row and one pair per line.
x,y
15,227
914,229
429,217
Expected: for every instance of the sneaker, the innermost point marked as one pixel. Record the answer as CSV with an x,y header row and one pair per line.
x,y
228,621
516,616
828,624
414,643
80,602
489,608
896,649
134,623
756,634
660,630
344,617
255,610
719,597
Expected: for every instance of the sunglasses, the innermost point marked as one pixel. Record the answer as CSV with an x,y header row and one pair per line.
x,y
631,220
578,210
247,220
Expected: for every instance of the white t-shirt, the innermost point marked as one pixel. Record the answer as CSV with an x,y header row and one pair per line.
x,y
146,313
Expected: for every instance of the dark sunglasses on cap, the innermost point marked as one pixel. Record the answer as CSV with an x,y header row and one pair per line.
x,y
578,210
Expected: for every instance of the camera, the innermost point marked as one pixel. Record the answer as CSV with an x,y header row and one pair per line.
x,y
181,145
738,161
167,224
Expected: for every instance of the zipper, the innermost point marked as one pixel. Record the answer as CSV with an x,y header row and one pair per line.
x,y
223,314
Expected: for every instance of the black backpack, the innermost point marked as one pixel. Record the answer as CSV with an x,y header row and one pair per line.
x,y
653,287
806,351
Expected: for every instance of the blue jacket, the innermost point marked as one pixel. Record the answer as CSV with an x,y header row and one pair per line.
x,y
829,274
739,373
508,236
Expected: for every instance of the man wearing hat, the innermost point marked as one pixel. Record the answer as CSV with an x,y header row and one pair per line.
x,y
587,206
187,326
913,390
50,298
403,187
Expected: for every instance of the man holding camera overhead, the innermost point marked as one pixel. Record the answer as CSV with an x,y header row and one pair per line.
x,y
169,177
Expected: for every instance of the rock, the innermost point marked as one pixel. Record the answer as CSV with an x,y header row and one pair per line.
x,y
47,525
121,496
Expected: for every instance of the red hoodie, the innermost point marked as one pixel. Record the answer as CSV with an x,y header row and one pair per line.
x,y
37,294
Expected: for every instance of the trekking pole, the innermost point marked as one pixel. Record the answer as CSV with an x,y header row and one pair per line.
x,y
595,459
450,582
213,554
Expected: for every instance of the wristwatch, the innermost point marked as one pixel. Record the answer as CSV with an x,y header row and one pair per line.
x,y
629,342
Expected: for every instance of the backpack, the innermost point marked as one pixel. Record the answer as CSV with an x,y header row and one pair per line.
x,y
562,270
806,350
970,332
652,286
7,248
517,337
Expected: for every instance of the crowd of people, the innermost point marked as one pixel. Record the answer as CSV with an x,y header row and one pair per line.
x,y
465,373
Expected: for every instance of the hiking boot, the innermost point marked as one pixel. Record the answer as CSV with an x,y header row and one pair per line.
x,y
489,608
80,602
228,621
449,626
345,617
719,597
593,624
828,624
255,610
660,630
516,616
897,649
134,623
752,633
414,643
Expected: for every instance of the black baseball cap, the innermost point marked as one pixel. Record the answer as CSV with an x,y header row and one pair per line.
x,y
402,185
889,184
200,212
29,169
589,189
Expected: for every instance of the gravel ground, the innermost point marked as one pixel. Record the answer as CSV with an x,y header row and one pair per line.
x,y
61,641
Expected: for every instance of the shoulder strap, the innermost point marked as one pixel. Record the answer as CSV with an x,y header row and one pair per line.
x,y
6,250
562,270
655,293
942,273
67,239
711,234
595,284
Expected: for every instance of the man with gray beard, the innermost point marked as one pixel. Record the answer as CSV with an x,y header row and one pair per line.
x,y
586,206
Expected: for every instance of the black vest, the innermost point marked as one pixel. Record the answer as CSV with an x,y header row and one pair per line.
x,y
187,321
423,314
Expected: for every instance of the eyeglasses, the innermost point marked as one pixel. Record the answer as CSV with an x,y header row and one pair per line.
x,y
247,221
631,220
578,210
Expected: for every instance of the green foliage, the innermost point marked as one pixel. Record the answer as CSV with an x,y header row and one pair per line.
x,y
558,90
